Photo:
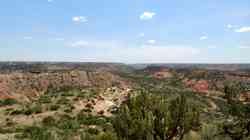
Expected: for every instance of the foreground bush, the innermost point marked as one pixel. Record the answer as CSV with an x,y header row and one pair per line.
x,y
153,117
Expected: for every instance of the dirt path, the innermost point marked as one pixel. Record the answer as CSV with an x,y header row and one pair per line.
x,y
212,105
112,97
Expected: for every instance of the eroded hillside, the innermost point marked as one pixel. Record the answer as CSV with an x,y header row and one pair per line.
x,y
105,102
23,83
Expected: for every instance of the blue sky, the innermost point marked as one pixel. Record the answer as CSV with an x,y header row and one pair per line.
x,y
129,31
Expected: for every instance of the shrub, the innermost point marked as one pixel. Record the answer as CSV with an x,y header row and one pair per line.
x,y
208,132
37,108
6,130
91,120
16,112
36,133
93,131
67,122
232,90
87,136
83,96
10,122
44,99
151,116
28,112
87,110
67,110
49,121
63,101
54,107
7,102
68,93
107,136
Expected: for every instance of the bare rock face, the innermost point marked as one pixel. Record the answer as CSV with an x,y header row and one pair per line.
x,y
163,74
29,85
4,87
201,86
159,72
245,97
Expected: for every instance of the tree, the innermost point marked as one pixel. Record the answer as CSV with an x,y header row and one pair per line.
x,y
232,90
237,124
208,132
154,117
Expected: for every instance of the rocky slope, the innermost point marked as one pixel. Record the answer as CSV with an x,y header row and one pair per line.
x,y
23,86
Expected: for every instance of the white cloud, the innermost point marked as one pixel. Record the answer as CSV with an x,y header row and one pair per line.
x,y
80,43
151,41
28,37
141,35
79,19
243,29
203,37
244,47
112,51
147,15
229,26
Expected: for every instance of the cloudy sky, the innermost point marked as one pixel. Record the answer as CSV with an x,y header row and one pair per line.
x,y
129,31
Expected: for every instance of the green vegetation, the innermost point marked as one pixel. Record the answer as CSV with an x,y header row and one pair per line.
x,y
7,102
156,109
54,107
155,117
232,90
44,99
36,108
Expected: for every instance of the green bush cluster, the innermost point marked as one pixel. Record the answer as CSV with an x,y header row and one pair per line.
x,y
36,133
63,101
44,99
7,102
33,109
28,110
91,120
154,117
54,107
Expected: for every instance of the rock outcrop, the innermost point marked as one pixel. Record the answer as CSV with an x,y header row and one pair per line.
x,y
23,86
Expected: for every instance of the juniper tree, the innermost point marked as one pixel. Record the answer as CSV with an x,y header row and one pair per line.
x,y
155,117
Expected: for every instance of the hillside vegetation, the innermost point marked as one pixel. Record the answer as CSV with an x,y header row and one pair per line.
x,y
117,103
